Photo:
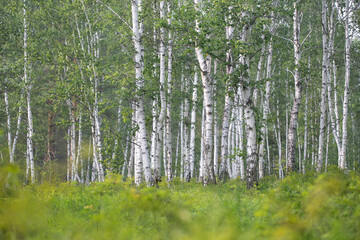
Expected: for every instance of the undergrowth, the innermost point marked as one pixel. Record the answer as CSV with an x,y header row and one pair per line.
x,y
307,206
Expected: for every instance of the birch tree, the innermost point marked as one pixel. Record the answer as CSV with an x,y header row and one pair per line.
x,y
323,85
28,86
297,96
140,112
205,67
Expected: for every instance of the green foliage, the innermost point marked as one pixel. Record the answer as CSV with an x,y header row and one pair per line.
x,y
299,207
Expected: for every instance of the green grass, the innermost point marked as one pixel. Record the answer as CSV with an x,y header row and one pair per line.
x,y
325,206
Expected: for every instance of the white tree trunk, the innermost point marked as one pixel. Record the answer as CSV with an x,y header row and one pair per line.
x,y
116,142
97,132
182,144
278,140
193,125
201,162
240,130
327,144
28,86
323,86
227,108
205,67
68,165
168,104
88,179
305,127
140,112
154,133
177,153
266,107
259,71
79,157
297,97
216,126
72,156
230,146
187,174
164,151
12,141
162,114
138,163
132,147
343,164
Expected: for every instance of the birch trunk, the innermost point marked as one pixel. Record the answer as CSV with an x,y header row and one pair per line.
x,y
162,115
278,140
333,106
192,127
168,103
305,128
266,107
297,97
327,145
177,153
259,70
249,116
97,132
72,157
116,142
28,86
241,132
343,164
216,127
205,65
12,141
79,157
182,144
68,165
187,174
230,148
140,112
138,163
201,162
164,151
323,86
87,181
132,152
154,133
227,108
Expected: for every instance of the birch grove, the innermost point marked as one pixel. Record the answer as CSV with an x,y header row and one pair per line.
x,y
167,91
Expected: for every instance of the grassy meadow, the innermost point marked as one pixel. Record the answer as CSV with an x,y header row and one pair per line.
x,y
310,206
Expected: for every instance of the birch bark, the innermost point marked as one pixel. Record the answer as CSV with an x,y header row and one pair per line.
x,y
28,86
168,103
140,112
323,85
12,141
227,108
192,127
205,64
266,107
345,107
297,97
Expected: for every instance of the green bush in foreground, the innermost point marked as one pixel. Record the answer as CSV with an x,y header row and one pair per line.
x,y
326,206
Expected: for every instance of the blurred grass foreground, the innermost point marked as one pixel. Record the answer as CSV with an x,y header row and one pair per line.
x,y
310,206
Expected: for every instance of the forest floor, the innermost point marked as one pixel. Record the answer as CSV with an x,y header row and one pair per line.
x,y
310,206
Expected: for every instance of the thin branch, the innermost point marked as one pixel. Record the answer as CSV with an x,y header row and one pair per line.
x,y
108,7
290,72
307,36
287,39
